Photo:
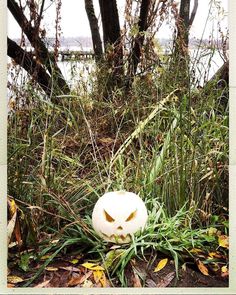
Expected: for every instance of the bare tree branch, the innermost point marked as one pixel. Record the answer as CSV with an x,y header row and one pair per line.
x,y
39,46
193,13
26,60
143,26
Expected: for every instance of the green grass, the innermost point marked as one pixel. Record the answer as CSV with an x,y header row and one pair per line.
x,y
171,149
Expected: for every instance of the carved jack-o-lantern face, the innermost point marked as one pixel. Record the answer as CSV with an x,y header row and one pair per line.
x,y
117,215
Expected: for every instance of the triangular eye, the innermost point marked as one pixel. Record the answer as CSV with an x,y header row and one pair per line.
x,y
131,216
108,217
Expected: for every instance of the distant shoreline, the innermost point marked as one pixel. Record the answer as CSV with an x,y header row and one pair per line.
x,y
86,42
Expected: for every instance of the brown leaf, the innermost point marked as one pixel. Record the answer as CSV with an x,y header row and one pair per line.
x,y
43,284
17,232
10,227
167,280
70,268
136,281
215,255
203,269
150,283
74,281
224,269
10,285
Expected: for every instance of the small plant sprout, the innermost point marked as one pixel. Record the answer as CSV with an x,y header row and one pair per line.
x,y
118,215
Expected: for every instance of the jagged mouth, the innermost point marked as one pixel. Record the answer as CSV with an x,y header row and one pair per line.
x,y
116,237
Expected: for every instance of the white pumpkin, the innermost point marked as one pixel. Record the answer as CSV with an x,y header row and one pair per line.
x,y
117,215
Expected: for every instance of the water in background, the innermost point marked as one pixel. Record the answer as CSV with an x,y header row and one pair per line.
x,y
204,64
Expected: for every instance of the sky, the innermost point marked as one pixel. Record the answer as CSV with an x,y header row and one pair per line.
x,y
74,22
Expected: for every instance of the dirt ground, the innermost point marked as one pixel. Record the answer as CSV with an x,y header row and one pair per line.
x,y
138,273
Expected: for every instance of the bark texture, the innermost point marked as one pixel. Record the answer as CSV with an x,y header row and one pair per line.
x,y
93,22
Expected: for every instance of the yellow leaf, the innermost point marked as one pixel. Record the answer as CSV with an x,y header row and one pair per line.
x,y
45,257
97,274
223,241
196,251
214,255
103,280
50,268
12,206
224,268
212,231
92,266
14,279
202,268
74,261
161,264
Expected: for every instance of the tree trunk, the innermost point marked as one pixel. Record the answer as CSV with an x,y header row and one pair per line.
x,y
110,22
113,47
93,22
39,46
181,54
139,40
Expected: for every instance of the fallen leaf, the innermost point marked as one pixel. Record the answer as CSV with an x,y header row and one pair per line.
x,y
203,269
223,241
224,269
92,266
51,268
196,251
12,206
10,227
14,279
150,283
212,231
45,257
225,274
17,233
167,280
70,268
214,266
97,274
74,281
87,284
74,261
10,285
136,281
104,281
115,247
214,255
161,264
184,267
54,241
43,284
